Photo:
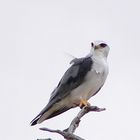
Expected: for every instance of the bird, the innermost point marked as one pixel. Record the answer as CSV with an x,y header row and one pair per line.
x,y
83,79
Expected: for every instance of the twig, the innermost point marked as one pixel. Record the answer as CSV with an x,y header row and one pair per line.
x,y
75,122
68,133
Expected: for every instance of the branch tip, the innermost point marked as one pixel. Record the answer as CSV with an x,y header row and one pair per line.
x,y
68,133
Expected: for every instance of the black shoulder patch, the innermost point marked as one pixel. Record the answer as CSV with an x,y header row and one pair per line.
x,y
75,75
84,67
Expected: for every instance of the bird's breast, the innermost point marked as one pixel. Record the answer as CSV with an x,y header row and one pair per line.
x,y
93,81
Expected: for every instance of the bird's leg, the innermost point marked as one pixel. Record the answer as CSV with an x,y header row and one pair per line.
x,y
83,103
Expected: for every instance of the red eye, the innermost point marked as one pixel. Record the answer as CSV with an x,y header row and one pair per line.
x,y
103,45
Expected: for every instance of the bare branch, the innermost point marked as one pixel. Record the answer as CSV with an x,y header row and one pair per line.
x,y
68,133
75,122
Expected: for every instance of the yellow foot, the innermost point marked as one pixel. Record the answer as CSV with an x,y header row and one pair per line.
x,y
83,103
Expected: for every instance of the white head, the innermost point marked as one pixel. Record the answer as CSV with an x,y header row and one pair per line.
x,y
99,48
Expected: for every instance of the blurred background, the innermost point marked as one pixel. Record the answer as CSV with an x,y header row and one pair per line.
x,y
35,37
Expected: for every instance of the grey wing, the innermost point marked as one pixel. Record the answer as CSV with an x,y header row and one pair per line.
x,y
70,73
72,78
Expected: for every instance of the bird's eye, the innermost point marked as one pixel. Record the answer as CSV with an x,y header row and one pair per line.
x,y
103,45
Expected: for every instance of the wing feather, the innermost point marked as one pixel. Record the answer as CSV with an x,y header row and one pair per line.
x,y
71,79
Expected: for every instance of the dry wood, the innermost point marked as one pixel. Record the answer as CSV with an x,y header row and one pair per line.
x,y
68,133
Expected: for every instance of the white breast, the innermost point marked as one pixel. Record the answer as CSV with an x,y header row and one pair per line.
x,y
93,81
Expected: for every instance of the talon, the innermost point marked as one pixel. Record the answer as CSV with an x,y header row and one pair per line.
x,y
83,103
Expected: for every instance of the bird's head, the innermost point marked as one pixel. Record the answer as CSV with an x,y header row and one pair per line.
x,y
100,48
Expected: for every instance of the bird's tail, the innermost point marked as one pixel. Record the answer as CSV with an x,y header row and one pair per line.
x,y
46,114
35,120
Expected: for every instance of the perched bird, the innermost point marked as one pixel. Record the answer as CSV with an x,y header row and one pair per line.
x,y
80,82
